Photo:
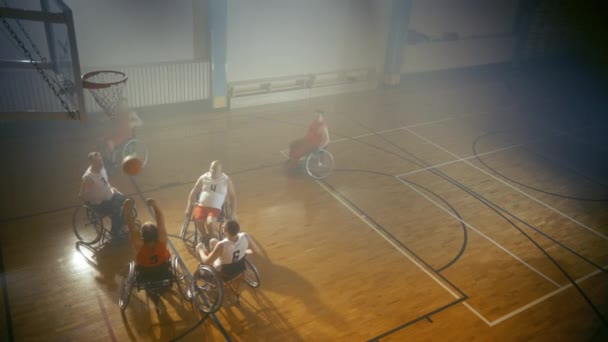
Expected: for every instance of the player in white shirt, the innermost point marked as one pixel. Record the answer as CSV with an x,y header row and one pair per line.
x,y
96,192
228,255
207,198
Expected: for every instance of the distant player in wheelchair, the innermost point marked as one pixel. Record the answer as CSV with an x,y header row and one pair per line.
x,y
316,138
319,162
120,141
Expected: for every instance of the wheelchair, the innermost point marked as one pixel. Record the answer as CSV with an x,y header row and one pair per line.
x,y
91,227
191,239
209,285
319,163
131,146
155,281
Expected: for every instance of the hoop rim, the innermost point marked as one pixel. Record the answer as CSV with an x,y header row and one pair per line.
x,y
101,85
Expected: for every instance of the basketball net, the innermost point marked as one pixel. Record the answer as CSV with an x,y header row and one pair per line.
x,y
106,87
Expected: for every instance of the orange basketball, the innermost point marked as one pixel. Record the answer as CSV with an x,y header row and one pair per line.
x,y
132,165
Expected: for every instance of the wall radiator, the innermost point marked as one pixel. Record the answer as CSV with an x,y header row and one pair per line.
x,y
148,85
161,83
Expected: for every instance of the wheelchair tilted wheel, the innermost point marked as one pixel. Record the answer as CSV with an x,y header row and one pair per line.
x,y
87,225
252,277
319,164
137,148
207,289
126,287
181,277
184,231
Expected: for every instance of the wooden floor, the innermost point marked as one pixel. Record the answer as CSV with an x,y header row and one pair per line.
x,y
462,207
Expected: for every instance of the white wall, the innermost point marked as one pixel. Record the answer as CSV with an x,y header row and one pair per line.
x,y
128,32
270,38
470,19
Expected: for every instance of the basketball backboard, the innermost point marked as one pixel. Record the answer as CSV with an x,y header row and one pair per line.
x,y
39,67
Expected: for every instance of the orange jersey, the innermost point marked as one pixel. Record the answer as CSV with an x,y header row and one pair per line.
x,y
314,135
152,255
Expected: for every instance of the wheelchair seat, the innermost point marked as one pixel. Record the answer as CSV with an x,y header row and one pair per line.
x,y
232,271
154,280
154,277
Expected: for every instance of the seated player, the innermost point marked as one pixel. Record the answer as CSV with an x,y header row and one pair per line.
x,y
228,256
122,128
317,137
97,193
150,246
212,189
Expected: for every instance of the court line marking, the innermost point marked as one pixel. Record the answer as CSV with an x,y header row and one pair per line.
x,y
480,233
398,128
404,253
451,214
543,298
285,151
459,160
106,319
473,310
467,305
391,242
511,186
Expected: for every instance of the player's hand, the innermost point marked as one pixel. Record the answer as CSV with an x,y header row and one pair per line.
x,y
151,202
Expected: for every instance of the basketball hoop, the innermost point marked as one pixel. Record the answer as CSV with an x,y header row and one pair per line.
x,y
106,86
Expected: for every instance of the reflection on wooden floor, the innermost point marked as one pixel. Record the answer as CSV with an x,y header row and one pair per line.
x,y
419,233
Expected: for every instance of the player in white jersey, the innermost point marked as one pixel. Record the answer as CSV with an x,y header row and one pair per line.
x,y
96,192
207,197
228,255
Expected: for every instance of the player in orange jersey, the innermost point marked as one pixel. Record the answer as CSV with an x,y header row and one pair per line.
x,y
317,137
150,246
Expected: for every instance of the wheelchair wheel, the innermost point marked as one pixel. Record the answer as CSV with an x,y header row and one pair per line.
x,y
87,225
207,289
126,287
181,277
183,234
137,148
252,277
319,164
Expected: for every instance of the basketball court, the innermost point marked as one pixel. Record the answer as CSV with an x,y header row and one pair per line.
x,y
455,211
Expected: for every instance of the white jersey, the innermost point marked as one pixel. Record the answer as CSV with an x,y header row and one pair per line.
x,y
101,189
234,251
213,192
